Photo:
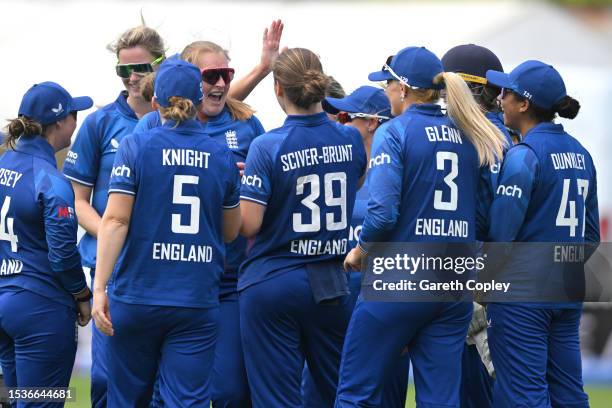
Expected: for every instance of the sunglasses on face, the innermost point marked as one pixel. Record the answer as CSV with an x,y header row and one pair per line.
x,y
387,62
346,117
505,92
211,76
126,70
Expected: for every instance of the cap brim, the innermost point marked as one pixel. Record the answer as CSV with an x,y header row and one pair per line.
x,y
380,76
499,79
335,105
81,103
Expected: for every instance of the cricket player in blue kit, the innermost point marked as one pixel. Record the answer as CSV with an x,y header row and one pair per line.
x,y
547,192
367,109
297,194
400,178
89,162
43,292
164,291
472,62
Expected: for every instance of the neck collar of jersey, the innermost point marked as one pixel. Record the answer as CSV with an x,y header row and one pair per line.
x,y
189,125
123,106
36,146
426,109
307,120
222,117
546,127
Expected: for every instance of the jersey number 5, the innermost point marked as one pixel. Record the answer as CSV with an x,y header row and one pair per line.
x,y
192,201
315,211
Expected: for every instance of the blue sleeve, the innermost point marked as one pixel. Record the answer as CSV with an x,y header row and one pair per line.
x,y
61,225
360,156
515,183
591,230
124,177
257,179
83,159
147,122
258,128
484,200
232,192
385,184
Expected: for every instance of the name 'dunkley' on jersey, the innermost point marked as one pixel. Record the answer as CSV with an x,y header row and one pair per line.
x,y
313,156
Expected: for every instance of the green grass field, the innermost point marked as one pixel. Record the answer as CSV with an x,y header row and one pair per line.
x,y
599,397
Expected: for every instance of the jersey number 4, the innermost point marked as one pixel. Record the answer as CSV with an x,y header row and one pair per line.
x,y
6,225
331,223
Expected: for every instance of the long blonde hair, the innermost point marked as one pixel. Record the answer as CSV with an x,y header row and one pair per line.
x,y
465,112
239,110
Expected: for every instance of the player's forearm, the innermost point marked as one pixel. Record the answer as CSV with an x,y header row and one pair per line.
x,y
89,219
242,87
111,237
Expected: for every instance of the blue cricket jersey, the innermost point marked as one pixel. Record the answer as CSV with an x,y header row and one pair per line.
x,y
547,192
38,225
90,159
414,180
182,180
306,174
237,136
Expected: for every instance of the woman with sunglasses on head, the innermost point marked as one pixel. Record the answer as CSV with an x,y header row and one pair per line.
x,y
88,164
166,260
414,177
43,292
472,62
297,198
547,193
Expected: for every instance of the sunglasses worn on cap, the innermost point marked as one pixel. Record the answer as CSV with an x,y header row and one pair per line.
x,y
387,62
125,70
211,76
346,117
402,79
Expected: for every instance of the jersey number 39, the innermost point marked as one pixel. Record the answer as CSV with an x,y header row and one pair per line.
x,y
331,224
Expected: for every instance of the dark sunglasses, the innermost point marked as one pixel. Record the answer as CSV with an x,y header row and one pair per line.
x,y
506,91
74,114
387,62
211,76
126,70
346,117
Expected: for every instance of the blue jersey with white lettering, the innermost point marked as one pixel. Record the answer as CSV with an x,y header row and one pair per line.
x,y
38,225
414,181
306,174
90,159
547,192
182,180
237,136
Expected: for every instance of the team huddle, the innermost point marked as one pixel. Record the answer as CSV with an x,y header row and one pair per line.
x,y
225,260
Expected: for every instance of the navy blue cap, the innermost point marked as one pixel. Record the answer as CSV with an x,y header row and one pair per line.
x,y
471,62
365,99
416,66
178,78
48,103
538,82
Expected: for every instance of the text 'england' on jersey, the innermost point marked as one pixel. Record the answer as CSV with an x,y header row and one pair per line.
x,y
306,174
182,181
423,180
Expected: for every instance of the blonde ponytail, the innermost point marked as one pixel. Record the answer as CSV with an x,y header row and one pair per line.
x,y
468,116
179,110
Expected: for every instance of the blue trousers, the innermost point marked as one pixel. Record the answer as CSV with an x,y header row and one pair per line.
x,y
38,341
99,374
230,388
395,388
174,345
282,327
377,335
476,383
536,354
